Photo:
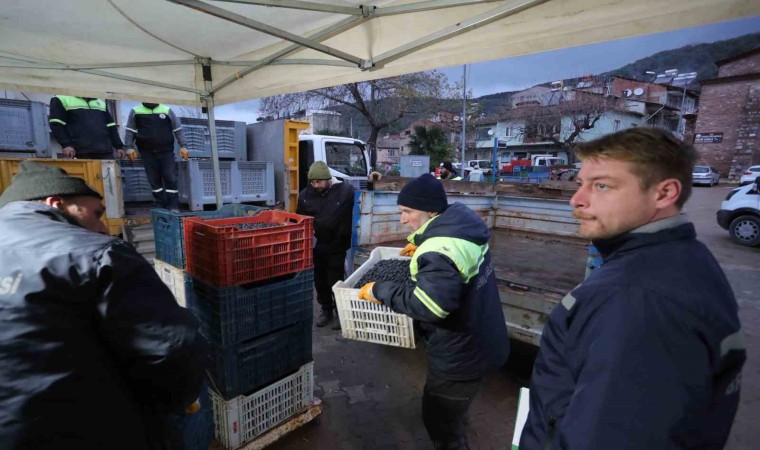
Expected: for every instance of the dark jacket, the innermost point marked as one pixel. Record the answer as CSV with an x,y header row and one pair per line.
x,y
645,354
333,213
153,130
85,124
95,350
455,296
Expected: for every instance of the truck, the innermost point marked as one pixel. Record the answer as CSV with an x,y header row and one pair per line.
x,y
280,142
535,246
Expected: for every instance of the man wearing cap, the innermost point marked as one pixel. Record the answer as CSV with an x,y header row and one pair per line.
x,y
96,352
455,298
448,172
331,203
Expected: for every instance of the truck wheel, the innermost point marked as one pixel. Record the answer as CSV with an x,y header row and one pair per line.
x,y
745,230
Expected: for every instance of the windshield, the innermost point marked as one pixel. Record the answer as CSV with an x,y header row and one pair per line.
x,y
701,170
346,158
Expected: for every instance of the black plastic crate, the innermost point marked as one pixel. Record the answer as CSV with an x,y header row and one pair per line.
x,y
235,314
242,368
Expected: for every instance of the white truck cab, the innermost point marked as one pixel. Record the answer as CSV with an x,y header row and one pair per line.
x,y
740,215
346,158
547,160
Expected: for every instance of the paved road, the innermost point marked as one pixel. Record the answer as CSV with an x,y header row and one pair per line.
x,y
372,393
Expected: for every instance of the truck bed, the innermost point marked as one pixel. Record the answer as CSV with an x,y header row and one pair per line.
x,y
540,261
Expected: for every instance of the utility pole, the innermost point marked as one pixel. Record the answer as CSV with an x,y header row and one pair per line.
x,y
464,115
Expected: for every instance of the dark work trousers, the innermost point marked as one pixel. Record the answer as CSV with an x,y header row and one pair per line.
x,y
162,175
444,408
328,269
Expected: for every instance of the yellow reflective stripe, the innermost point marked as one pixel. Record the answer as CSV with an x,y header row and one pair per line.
x,y
111,124
429,303
467,256
58,121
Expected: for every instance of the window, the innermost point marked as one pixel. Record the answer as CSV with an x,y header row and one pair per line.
x,y
615,125
346,158
391,152
507,132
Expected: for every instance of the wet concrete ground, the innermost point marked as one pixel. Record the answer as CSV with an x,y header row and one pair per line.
x,y
372,393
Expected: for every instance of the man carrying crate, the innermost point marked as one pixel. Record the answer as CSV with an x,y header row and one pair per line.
x,y
455,298
331,203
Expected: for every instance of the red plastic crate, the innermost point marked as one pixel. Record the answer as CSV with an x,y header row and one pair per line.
x,y
222,255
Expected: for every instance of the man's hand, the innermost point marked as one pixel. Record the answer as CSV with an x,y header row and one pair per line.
x,y
132,154
366,293
120,153
69,152
408,250
184,153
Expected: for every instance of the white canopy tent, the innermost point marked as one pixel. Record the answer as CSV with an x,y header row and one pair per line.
x,y
222,51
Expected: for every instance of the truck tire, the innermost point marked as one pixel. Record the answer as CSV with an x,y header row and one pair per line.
x,y
745,230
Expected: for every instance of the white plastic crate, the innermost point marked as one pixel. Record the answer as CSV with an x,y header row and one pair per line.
x,y
366,321
243,418
174,278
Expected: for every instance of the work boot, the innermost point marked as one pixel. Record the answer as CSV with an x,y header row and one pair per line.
x,y
325,318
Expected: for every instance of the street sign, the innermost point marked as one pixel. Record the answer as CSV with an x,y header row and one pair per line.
x,y
708,138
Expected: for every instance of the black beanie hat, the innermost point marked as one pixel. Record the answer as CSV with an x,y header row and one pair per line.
x,y
36,181
423,193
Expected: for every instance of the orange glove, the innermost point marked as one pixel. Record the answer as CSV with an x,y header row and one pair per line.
x,y
184,153
132,154
408,250
366,293
194,408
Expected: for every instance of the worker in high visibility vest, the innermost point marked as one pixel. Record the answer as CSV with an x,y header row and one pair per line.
x,y
84,128
447,172
153,127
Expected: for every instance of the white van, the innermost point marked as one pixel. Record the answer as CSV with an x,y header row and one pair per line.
x,y
740,215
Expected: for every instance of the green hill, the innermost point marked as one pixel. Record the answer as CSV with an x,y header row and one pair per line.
x,y
700,58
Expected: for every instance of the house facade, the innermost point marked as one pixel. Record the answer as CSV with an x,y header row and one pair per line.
x,y
726,132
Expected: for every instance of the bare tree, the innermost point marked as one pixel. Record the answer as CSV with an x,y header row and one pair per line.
x,y
382,102
562,122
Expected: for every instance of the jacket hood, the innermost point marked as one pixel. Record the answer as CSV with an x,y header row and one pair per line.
x,y
457,221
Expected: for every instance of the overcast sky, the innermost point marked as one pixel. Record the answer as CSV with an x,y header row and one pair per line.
x,y
524,71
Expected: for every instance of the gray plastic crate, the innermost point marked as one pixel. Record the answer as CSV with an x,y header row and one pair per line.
x,y
196,183
230,138
134,182
24,129
257,182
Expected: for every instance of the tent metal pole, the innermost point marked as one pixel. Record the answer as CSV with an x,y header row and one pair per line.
x,y
209,101
305,6
267,29
340,27
214,151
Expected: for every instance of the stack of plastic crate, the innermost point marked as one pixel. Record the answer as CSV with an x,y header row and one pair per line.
x,y
197,429
250,285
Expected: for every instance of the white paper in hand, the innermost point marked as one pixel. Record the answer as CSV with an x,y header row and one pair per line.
x,y
523,406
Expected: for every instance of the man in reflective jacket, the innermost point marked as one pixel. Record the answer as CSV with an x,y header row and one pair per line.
x,y
455,298
647,352
96,351
84,128
153,127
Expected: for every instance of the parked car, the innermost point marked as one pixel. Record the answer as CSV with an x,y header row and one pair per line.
x,y
482,164
740,215
750,175
705,175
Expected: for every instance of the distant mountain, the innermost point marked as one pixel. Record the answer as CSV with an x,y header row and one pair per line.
x,y
700,58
